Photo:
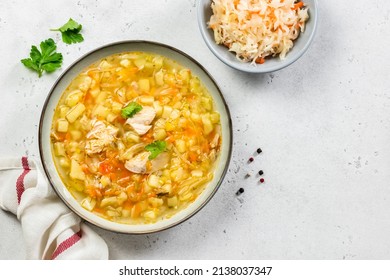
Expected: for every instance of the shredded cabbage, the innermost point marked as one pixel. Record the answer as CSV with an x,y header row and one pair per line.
x,y
256,29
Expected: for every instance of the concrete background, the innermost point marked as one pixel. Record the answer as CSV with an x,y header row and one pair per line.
x,y
323,124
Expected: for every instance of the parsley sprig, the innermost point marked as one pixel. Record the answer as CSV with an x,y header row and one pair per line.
x,y
130,110
156,148
70,32
45,60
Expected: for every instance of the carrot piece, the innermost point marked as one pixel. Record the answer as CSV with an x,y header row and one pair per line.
x,y
93,192
105,167
152,194
127,205
68,136
99,210
170,139
298,6
136,211
88,97
206,147
85,169
193,156
260,60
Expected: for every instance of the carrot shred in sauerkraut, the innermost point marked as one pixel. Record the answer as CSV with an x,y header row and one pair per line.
x,y
257,29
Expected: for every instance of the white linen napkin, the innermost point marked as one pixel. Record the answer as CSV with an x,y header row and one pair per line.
x,y
50,229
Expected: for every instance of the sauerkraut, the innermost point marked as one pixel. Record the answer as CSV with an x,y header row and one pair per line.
x,y
258,29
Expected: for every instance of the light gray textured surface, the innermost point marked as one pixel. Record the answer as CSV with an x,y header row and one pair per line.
x,y
323,124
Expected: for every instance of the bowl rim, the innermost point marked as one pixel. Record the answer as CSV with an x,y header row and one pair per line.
x,y
218,92
243,66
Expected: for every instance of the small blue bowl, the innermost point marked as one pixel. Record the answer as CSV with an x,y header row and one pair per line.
x,y
301,44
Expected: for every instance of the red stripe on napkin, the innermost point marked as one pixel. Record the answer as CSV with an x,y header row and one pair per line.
x,y
66,244
20,180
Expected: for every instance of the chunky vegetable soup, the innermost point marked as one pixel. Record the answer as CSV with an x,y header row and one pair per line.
x,y
136,137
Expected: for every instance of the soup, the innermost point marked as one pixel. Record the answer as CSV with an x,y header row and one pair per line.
x,y
135,138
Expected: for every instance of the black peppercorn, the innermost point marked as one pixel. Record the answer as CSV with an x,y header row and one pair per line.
x,y
240,191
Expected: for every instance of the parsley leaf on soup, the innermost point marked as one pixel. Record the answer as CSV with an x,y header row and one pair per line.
x,y
130,110
70,32
156,148
44,60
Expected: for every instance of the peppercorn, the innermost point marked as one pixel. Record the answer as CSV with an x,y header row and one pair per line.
x,y
259,150
240,191
251,159
261,172
261,180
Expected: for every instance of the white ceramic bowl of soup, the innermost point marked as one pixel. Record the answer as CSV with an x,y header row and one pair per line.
x,y
48,156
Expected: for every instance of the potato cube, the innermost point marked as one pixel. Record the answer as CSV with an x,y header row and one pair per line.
x,y
197,173
144,85
76,134
73,98
122,197
126,213
76,171
172,201
125,63
159,134
185,75
207,125
178,105
167,111
158,108
214,117
159,78
75,112
158,61
105,65
140,63
146,99
150,215
109,201
88,203
113,213
101,97
100,111
59,149
206,103
116,107
111,117
63,110
131,137
85,83
153,181
175,114
62,125
64,162
195,117
167,188
155,202
180,145
94,92
105,181
169,126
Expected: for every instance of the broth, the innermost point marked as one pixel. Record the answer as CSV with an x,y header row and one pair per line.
x,y
136,137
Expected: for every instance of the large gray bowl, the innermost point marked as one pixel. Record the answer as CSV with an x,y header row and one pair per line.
x,y
300,45
62,83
